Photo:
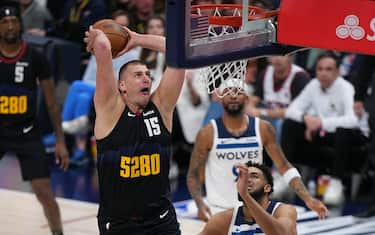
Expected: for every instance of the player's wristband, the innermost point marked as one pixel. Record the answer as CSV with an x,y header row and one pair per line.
x,y
290,174
263,112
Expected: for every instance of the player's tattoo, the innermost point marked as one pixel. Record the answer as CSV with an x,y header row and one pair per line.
x,y
196,169
272,146
299,188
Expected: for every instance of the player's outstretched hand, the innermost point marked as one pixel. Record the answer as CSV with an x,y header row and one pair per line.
x,y
91,37
62,155
132,42
243,180
317,206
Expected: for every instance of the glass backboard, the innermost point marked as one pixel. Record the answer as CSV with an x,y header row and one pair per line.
x,y
206,34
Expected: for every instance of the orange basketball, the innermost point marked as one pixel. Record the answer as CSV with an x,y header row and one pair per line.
x,y
116,34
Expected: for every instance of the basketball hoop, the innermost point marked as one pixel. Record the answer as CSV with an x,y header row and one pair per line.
x,y
228,75
231,14
227,21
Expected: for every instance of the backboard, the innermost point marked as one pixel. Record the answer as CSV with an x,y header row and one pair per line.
x,y
202,35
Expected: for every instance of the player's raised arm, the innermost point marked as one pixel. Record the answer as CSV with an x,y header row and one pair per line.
x,y
290,173
106,87
169,89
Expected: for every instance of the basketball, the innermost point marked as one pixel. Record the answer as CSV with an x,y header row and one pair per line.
x,y
116,34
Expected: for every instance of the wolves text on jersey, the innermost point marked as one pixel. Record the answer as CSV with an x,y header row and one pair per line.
x,y
237,155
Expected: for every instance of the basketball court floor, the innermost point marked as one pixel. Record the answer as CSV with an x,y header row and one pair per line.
x,y
77,192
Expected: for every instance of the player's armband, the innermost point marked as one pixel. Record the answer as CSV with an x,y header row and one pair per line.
x,y
290,174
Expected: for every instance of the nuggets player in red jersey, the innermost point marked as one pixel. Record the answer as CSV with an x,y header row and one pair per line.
x,y
133,131
23,70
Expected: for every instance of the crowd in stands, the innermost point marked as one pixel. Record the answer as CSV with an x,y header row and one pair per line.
x,y
320,127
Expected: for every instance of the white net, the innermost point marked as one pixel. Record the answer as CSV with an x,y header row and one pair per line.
x,y
229,75
215,76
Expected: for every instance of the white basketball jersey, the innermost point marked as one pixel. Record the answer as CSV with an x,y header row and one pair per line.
x,y
239,226
283,96
227,150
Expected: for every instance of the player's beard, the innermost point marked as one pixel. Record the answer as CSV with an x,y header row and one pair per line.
x,y
234,110
258,194
10,38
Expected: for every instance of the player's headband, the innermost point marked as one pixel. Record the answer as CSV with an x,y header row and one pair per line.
x,y
8,11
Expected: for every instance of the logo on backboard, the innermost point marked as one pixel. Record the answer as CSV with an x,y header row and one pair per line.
x,y
351,28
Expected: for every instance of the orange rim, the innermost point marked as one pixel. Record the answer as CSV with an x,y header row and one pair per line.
x,y
235,21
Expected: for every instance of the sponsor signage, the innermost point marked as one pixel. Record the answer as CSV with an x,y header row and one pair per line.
x,y
343,25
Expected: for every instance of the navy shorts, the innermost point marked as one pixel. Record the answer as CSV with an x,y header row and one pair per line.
x,y
165,224
30,153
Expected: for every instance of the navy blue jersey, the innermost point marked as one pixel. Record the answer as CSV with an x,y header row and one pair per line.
x,y
133,166
240,226
18,90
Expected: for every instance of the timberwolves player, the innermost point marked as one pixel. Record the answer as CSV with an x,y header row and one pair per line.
x,y
133,131
257,215
236,138
23,70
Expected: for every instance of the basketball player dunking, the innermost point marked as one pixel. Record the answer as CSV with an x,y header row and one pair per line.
x,y
133,131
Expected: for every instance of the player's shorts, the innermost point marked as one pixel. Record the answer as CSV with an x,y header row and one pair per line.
x,y
30,152
165,224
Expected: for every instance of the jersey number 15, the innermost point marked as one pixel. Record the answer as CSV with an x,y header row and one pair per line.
x,y
153,127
